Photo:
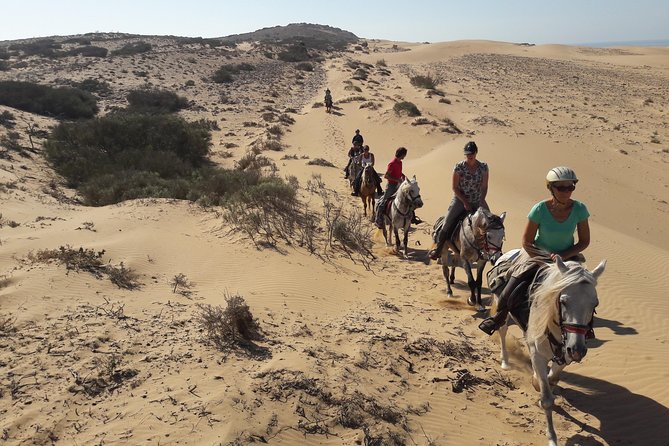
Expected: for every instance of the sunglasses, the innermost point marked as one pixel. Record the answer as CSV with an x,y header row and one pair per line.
x,y
571,188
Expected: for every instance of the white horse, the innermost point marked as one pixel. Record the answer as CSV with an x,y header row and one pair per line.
x,y
561,306
478,239
400,212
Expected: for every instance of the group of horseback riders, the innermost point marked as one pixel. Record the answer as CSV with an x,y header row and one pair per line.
x,y
549,230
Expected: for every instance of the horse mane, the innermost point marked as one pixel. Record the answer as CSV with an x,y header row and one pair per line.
x,y
543,296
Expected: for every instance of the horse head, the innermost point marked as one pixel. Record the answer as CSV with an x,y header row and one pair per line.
x,y
573,306
490,232
411,190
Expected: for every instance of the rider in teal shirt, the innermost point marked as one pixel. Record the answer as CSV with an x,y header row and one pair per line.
x,y
552,235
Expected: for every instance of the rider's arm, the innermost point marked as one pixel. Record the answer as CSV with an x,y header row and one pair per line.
x,y
456,190
372,158
583,230
529,234
484,186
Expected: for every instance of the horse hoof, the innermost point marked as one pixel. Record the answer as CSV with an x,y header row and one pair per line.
x,y
449,293
505,365
481,309
471,302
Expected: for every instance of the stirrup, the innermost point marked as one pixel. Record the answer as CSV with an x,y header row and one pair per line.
x,y
488,326
433,254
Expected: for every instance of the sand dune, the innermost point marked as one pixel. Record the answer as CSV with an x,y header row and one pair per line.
x,y
380,347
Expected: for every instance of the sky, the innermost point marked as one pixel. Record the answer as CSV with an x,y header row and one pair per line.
x,y
531,21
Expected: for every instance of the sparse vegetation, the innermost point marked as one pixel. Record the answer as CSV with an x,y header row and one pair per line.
x,y
155,101
132,48
304,66
62,102
320,162
89,261
425,81
406,107
229,327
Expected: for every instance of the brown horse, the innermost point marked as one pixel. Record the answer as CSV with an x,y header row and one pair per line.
x,y
368,189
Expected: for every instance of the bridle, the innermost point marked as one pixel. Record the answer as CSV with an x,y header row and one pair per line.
x,y
558,346
486,249
410,208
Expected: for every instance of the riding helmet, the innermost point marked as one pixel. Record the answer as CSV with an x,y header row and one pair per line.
x,y
561,173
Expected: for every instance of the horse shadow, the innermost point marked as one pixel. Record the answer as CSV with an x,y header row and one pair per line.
x,y
617,327
625,417
335,111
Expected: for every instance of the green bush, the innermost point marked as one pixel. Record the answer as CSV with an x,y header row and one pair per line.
x,y
62,102
132,48
126,142
406,107
156,101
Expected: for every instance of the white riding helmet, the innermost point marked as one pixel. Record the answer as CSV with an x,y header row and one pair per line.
x,y
561,173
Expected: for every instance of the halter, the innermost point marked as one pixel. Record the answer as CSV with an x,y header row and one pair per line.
x,y
558,347
488,250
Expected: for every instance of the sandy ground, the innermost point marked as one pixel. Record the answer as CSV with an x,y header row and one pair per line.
x,y
352,353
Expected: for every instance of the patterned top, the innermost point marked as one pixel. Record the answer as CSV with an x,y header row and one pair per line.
x,y
470,182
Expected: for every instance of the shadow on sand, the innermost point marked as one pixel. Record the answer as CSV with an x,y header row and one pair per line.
x,y
626,418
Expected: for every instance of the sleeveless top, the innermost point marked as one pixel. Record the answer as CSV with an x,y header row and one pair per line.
x,y
366,161
470,182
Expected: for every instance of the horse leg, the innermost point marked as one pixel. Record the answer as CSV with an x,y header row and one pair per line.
x,y
396,231
406,240
471,282
504,354
479,284
452,276
364,204
554,374
540,379
444,269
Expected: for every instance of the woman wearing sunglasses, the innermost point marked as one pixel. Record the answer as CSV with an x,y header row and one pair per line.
x,y
549,232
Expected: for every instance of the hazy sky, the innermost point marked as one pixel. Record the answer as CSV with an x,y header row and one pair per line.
x,y
535,21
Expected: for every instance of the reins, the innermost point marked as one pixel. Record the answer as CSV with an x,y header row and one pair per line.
x,y
488,249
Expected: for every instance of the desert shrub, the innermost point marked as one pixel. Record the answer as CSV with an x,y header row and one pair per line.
x,y
353,88
166,145
4,66
7,119
4,54
353,99
360,74
78,40
132,48
406,107
11,142
304,66
189,83
223,75
43,47
320,162
252,161
423,121
295,53
156,101
444,100
275,130
62,102
88,51
428,82
286,119
7,327
244,67
450,127
381,63
269,212
90,261
229,327
101,88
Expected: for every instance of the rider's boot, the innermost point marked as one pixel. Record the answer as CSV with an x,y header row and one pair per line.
x,y
505,303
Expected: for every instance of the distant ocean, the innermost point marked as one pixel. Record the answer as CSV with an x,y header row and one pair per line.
x,y
664,42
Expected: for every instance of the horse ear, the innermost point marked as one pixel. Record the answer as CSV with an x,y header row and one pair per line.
x,y
599,269
502,216
560,264
414,178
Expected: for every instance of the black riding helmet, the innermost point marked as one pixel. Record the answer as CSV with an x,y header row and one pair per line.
x,y
470,147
